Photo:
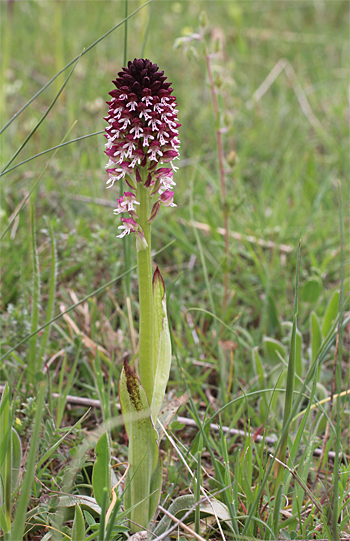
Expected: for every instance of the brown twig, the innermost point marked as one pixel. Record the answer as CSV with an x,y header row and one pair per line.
x,y
90,402
301,483
284,248
181,524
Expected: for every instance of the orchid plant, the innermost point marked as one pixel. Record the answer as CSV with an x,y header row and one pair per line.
x,y
142,143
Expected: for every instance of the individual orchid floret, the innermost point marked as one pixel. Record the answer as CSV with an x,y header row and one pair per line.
x,y
169,156
117,171
129,225
165,180
126,204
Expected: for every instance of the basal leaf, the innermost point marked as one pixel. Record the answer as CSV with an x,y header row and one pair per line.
x,y
272,346
84,502
156,485
311,290
316,336
143,448
78,529
16,459
330,314
101,474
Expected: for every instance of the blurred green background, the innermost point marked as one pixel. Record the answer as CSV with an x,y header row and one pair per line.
x,y
282,74
283,164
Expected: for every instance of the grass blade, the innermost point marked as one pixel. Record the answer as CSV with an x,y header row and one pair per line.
x,y
101,473
32,367
6,457
290,382
78,528
338,376
52,291
51,149
63,392
18,524
100,388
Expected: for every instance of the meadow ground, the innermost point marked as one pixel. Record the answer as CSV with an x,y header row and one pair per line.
x,y
281,76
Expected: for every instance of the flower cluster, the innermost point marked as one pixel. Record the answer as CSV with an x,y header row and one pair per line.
x,y
142,136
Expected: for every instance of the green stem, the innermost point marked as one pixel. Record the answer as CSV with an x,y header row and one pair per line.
x,y
144,266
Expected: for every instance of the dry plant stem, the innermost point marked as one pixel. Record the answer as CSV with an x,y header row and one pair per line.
x,y
301,483
181,524
222,177
284,248
90,402
285,65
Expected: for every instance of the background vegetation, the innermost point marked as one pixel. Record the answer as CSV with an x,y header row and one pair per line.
x,y
285,153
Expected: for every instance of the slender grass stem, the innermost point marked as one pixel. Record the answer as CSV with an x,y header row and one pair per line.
x,y
222,177
147,29
126,32
337,377
51,149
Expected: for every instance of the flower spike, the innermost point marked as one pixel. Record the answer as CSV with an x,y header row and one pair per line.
x,y
142,116
142,136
